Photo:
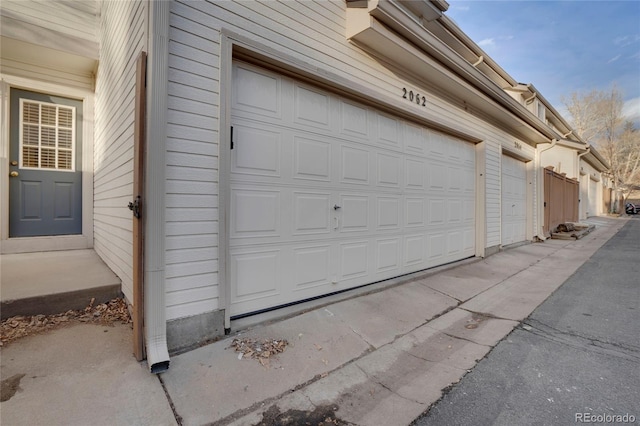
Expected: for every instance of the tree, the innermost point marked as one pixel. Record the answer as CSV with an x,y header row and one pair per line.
x,y
597,117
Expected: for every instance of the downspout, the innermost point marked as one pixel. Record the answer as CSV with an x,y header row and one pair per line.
x,y
529,100
578,162
154,263
541,234
479,61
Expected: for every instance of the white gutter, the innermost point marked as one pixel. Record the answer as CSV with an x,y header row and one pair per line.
x,y
155,322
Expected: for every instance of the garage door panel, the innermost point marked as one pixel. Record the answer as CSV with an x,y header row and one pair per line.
x,y
354,212
311,107
312,213
414,251
354,121
388,213
437,144
437,245
414,174
437,211
454,213
354,260
312,266
437,176
354,165
257,151
387,255
257,92
388,170
256,274
414,212
415,138
312,159
388,131
255,213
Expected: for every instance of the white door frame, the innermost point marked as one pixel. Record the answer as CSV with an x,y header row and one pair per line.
x,y
65,242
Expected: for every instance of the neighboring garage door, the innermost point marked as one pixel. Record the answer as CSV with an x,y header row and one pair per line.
x,y
514,200
328,194
593,198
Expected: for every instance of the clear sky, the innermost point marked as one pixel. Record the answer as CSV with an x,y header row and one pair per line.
x,y
560,46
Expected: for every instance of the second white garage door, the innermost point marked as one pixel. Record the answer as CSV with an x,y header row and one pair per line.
x,y
514,200
328,194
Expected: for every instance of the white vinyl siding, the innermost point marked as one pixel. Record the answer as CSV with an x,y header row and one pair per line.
x,y
122,30
192,169
310,33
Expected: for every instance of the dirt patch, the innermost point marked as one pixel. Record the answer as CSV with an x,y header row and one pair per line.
x,y
9,387
323,415
110,313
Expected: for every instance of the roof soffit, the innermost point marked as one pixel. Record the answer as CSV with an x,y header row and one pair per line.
x,y
387,28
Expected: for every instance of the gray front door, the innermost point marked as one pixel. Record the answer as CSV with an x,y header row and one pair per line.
x,y
45,165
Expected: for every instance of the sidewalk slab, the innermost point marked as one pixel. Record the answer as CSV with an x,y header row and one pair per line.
x,y
80,375
200,381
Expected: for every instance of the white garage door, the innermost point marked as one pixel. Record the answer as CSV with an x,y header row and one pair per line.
x,y
593,198
514,200
328,194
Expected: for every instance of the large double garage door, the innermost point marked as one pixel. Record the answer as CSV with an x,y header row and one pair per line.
x,y
328,194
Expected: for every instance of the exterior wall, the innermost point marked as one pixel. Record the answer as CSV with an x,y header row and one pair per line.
x,y
122,37
563,160
310,35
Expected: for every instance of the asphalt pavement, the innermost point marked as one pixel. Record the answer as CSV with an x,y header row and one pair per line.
x,y
575,359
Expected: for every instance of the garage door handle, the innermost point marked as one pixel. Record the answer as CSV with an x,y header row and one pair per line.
x,y
336,223
336,207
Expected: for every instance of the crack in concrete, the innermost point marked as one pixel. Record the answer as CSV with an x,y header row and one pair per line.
x,y
371,347
176,416
576,340
464,339
488,315
378,382
516,273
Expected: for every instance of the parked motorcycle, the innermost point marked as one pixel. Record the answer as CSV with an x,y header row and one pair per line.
x,y
631,208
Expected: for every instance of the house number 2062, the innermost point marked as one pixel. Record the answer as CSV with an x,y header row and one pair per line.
x,y
413,97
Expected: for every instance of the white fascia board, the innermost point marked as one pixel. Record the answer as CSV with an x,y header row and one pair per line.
x,y
371,26
594,159
370,34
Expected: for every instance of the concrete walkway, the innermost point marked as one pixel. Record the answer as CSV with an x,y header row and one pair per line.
x,y
575,359
378,359
53,282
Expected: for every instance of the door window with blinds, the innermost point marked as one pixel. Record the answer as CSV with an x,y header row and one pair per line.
x,y
47,136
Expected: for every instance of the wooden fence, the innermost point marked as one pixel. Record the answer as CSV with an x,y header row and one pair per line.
x,y
561,197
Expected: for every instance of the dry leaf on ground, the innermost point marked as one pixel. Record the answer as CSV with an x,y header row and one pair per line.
x,y
116,310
